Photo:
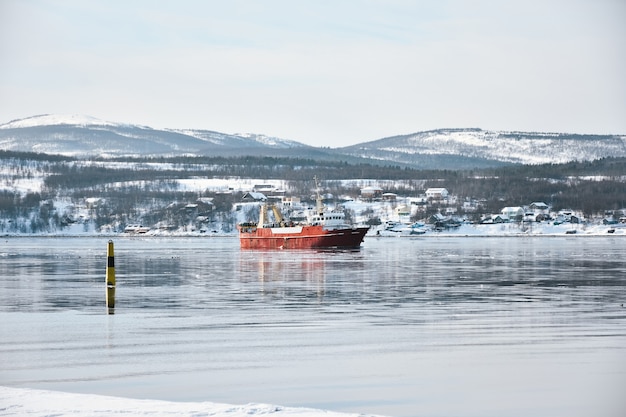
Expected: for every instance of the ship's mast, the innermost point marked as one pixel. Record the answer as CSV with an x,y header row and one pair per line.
x,y
318,201
278,216
262,215
264,218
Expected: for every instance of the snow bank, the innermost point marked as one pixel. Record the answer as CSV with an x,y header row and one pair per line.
x,y
506,229
22,401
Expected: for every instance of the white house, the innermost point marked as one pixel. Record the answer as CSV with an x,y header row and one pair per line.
x,y
437,193
512,213
371,192
404,213
539,207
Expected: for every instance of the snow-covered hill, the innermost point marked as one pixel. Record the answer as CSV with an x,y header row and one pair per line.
x,y
242,139
483,145
56,120
85,136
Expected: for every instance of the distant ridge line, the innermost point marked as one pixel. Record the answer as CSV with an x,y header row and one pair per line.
x,y
444,148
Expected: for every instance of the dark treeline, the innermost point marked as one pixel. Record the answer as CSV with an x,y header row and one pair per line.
x,y
590,196
71,177
34,156
590,186
85,175
301,168
604,166
284,167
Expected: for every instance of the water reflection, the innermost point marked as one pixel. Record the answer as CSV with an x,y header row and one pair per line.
x,y
480,271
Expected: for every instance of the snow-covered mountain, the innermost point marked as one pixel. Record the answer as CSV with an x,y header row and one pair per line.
x,y
56,120
85,136
483,147
77,135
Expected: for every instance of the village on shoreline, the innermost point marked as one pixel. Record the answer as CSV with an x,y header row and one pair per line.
x,y
432,212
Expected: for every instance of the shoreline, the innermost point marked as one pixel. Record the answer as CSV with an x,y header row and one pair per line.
x,y
400,231
434,235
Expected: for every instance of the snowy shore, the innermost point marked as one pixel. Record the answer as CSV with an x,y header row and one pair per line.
x,y
400,230
30,402
506,229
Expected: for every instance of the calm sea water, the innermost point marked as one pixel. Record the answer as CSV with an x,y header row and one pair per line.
x,y
402,327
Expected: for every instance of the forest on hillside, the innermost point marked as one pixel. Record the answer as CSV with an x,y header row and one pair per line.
x,y
590,186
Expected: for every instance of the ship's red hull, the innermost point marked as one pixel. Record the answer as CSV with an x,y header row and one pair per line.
x,y
300,237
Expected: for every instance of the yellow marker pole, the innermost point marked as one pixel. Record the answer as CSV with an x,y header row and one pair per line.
x,y
110,278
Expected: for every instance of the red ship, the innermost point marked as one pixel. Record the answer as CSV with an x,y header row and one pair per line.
x,y
323,229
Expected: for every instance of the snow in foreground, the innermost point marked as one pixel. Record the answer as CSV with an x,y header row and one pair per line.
x,y
29,402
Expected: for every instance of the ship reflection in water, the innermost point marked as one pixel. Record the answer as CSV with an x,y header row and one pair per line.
x,y
304,276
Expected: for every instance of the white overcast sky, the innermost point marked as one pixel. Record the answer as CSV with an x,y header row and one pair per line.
x,y
322,72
